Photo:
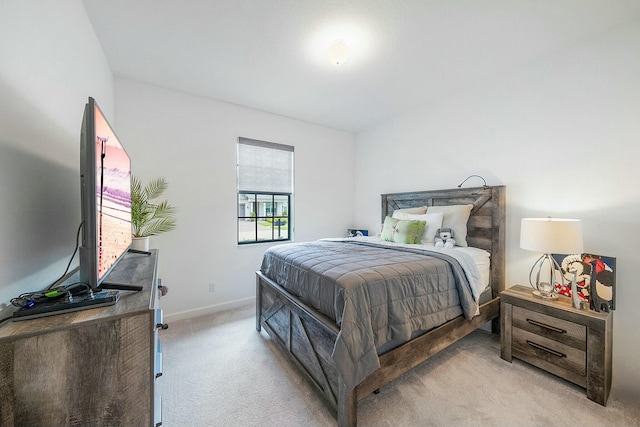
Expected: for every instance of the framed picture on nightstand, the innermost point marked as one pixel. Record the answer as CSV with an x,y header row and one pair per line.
x,y
595,278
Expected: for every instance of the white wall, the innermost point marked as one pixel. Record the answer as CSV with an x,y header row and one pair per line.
x,y
51,63
192,142
560,135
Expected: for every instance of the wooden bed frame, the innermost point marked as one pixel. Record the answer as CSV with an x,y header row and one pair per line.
x,y
308,337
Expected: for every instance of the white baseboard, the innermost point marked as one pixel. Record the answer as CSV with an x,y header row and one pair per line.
x,y
188,314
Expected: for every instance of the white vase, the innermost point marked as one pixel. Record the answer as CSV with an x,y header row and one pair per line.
x,y
140,243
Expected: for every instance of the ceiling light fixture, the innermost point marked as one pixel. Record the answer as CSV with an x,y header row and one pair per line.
x,y
338,52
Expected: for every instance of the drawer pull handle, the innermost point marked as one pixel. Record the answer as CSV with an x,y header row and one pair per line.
x,y
548,350
544,325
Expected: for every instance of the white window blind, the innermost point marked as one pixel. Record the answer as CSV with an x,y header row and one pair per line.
x,y
264,166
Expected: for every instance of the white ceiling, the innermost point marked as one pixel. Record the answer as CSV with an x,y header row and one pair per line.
x,y
271,54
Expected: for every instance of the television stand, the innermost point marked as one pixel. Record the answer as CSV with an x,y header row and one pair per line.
x,y
98,367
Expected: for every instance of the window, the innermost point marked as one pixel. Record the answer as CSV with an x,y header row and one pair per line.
x,y
265,190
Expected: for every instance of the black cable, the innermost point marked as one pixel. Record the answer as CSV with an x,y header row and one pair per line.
x,y
72,257
30,298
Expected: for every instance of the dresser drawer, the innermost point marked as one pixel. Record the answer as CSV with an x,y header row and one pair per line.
x,y
552,328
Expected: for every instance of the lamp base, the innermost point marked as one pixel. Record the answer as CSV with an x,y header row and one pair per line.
x,y
545,296
545,289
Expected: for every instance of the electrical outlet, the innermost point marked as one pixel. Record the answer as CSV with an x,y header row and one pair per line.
x,y
212,287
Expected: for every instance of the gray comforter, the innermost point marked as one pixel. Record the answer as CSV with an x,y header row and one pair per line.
x,y
374,293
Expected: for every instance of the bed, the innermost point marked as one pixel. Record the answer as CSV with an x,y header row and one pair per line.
x,y
309,332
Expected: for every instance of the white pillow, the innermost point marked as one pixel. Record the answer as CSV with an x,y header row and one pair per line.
x,y
414,211
434,221
455,218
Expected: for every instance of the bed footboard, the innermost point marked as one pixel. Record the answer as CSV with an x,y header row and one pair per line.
x,y
308,337
304,335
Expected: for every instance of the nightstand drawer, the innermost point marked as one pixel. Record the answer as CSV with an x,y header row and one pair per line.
x,y
552,328
542,352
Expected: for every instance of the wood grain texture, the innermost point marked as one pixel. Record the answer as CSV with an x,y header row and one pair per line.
x,y
563,331
92,368
401,359
506,317
580,341
307,337
486,227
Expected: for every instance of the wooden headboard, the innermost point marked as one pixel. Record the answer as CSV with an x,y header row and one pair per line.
x,y
486,226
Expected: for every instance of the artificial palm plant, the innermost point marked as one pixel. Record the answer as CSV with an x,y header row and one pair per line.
x,y
147,217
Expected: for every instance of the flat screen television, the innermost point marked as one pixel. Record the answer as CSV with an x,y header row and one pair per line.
x,y
105,183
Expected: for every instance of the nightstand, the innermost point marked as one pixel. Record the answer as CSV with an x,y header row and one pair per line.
x,y
573,344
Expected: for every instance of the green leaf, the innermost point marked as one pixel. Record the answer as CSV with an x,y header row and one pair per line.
x,y
149,218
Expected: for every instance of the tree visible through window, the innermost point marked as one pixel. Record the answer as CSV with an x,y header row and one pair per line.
x,y
265,190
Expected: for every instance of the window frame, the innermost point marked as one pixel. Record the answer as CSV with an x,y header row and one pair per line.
x,y
256,219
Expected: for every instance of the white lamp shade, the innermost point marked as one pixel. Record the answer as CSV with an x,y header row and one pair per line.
x,y
338,52
551,235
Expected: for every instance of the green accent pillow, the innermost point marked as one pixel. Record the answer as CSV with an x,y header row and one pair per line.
x,y
402,231
388,229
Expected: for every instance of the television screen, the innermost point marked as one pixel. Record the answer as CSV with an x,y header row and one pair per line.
x,y
105,175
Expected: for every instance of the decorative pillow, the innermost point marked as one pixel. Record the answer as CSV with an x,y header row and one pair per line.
x,y
414,211
455,217
388,228
409,231
433,220
402,231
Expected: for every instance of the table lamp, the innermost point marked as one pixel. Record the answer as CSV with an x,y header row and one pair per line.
x,y
549,236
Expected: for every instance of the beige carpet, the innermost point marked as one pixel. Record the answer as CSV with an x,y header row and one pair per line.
x,y
219,371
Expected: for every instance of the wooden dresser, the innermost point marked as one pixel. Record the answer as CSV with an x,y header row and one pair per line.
x,y
550,334
93,367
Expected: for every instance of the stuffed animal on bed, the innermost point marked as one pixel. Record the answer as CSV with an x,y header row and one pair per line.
x,y
444,238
